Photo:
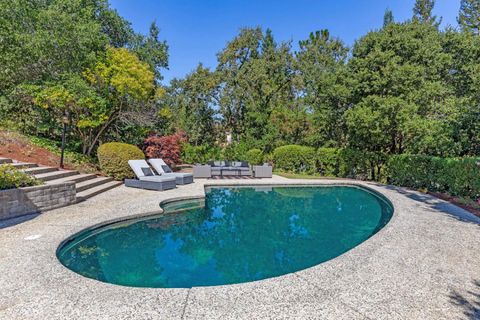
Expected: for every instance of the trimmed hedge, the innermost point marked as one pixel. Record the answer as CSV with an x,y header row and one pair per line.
x,y
113,158
294,158
457,176
11,178
254,156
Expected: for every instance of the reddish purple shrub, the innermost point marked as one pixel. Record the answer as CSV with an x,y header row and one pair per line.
x,y
168,148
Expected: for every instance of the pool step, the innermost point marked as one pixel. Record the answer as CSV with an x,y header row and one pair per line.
x,y
86,194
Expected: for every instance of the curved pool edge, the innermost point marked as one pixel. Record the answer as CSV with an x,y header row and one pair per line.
x,y
170,200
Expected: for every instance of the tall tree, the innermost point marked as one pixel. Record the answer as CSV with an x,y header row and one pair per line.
x,y
423,11
388,17
192,101
152,50
401,90
469,16
257,76
322,85
124,81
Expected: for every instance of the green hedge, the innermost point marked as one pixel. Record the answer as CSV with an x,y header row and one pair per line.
x,y
328,161
113,158
294,158
254,156
457,176
11,178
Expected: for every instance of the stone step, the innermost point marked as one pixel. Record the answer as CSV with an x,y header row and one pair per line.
x,y
55,175
5,160
75,178
89,184
84,195
24,165
39,170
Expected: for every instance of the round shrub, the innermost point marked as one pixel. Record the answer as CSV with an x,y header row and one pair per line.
x,y
294,158
113,158
254,156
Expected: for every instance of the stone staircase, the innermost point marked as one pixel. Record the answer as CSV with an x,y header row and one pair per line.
x,y
87,185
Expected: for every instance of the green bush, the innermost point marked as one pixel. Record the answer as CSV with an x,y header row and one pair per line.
x,y
12,178
254,156
294,158
363,165
328,161
457,176
199,154
113,158
235,152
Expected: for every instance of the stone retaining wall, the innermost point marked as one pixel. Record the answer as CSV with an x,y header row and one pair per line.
x,y
22,201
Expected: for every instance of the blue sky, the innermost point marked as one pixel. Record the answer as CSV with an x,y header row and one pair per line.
x,y
196,30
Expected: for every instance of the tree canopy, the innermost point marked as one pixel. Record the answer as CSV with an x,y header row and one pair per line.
x,y
407,87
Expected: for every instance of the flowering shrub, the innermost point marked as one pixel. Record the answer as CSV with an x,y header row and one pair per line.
x,y
168,148
12,178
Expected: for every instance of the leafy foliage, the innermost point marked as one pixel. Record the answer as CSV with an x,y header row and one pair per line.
x,y
199,154
328,161
294,158
167,148
12,178
113,158
469,16
254,156
457,176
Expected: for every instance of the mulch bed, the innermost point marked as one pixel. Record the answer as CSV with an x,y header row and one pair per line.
x,y
16,147
455,201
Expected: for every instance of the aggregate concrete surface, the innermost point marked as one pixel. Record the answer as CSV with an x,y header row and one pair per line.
x,y
424,264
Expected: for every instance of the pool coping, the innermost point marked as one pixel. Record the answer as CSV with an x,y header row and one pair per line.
x,y
392,274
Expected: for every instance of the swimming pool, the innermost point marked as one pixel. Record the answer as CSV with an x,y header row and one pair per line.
x,y
234,235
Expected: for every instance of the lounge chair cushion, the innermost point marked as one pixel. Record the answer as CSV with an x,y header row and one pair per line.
x,y
158,178
159,165
137,166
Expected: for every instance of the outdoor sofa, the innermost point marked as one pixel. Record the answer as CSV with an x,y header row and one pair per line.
x,y
147,178
231,168
164,170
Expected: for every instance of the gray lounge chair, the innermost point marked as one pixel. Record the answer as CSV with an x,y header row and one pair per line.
x,y
164,170
147,179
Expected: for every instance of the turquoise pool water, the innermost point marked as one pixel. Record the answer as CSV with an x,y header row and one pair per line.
x,y
237,234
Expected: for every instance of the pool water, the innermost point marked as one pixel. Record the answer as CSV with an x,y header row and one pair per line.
x,y
234,235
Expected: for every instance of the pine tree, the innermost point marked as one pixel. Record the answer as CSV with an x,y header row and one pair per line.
x,y
388,18
422,11
469,17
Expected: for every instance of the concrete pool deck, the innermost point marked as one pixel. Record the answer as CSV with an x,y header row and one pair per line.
x,y
425,264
